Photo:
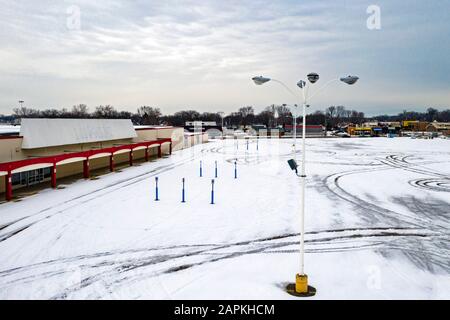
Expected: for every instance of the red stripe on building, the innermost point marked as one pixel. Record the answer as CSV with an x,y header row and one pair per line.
x,y
8,167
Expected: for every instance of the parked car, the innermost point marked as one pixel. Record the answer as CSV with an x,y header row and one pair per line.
x,y
343,135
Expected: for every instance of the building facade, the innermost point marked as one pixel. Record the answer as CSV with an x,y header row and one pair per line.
x,y
49,149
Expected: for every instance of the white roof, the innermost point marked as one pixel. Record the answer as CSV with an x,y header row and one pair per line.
x,y
39,133
201,123
151,127
9,129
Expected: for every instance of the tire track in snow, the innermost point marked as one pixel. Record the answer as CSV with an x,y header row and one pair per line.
x,y
372,213
121,271
332,184
15,227
432,184
369,211
395,162
121,266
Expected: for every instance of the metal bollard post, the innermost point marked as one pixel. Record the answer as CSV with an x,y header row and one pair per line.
x,y
183,199
156,190
216,169
212,191
201,169
235,169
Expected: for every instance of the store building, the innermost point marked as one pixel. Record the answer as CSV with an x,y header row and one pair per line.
x,y
46,150
439,127
311,130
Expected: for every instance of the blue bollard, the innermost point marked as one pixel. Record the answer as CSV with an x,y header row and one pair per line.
x,y
216,169
235,169
201,169
156,191
247,144
183,192
212,191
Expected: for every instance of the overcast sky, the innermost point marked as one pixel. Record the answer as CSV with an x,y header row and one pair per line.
x,y
202,54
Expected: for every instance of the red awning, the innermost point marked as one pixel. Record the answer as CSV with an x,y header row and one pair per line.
x,y
13,165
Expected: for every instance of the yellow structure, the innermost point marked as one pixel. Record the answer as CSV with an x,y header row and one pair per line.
x,y
409,124
359,131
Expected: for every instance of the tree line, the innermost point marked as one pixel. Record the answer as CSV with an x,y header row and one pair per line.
x,y
430,115
271,116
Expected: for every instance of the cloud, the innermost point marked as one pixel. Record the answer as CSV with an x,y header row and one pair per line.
x,y
201,54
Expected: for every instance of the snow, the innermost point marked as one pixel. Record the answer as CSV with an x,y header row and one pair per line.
x,y
377,224
9,129
41,133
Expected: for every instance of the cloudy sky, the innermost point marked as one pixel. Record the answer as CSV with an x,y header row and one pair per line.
x,y
202,54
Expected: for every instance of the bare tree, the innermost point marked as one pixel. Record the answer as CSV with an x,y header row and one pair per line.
x,y
149,115
340,112
105,112
51,113
432,114
331,111
80,111
24,112
247,113
284,115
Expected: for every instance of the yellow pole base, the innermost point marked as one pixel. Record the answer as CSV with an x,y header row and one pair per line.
x,y
301,283
301,288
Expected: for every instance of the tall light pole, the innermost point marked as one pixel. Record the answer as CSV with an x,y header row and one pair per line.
x,y
294,128
21,103
301,287
221,114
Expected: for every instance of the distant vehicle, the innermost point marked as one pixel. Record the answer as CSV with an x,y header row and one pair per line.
x,y
343,135
239,133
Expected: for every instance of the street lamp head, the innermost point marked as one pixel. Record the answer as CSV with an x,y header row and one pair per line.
x,y
313,77
276,114
260,80
349,79
301,84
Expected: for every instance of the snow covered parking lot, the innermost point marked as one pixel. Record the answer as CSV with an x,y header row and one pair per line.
x,y
377,226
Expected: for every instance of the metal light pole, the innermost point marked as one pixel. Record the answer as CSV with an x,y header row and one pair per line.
x,y
301,288
301,279
221,114
294,129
